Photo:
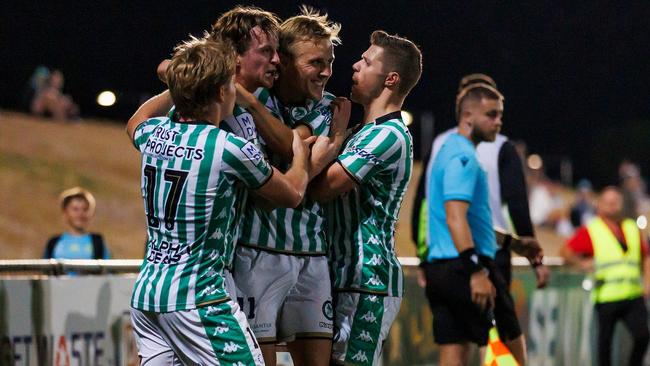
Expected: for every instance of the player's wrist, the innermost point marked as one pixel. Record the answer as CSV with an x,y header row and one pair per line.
x,y
470,260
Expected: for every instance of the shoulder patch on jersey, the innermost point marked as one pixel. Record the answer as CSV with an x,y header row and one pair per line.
x,y
252,153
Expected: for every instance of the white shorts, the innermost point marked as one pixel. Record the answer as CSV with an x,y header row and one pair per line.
x,y
284,296
209,335
362,322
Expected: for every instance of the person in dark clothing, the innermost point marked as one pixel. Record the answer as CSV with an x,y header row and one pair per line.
x,y
508,198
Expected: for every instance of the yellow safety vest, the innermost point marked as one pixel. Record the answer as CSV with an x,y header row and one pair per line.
x,y
617,273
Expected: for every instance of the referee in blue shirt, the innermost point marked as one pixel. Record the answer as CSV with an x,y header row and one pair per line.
x,y
462,283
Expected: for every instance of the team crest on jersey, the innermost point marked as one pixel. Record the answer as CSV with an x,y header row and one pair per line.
x,y
360,357
298,113
328,310
252,153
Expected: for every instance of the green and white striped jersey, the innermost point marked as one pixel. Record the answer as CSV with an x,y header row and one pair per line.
x,y
361,222
193,178
297,231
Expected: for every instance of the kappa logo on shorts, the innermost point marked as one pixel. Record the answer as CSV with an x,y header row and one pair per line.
x,y
217,235
360,357
230,347
221,329
369,317
328,310
374,240
252,153
372,298
374,281
376,260
365,336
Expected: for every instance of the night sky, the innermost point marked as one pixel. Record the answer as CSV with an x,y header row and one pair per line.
x,y
575,74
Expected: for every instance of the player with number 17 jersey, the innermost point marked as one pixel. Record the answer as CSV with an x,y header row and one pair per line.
x,y
193,178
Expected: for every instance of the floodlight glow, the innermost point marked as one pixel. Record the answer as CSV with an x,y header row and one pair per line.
x,y
106,98
407,117
535,162
642,222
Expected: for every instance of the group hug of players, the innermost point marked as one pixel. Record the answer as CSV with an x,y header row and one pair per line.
x,y
268,220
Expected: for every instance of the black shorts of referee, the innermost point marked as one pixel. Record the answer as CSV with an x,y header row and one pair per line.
x,y
456,319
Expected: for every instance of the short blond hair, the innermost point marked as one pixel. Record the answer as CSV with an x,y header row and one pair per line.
x,y
77,193
196,73
310,25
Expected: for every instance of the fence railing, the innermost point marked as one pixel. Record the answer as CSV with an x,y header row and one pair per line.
x,y
99,266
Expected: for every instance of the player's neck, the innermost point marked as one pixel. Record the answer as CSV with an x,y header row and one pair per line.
x,y
381,106
288,94
76,231
466,132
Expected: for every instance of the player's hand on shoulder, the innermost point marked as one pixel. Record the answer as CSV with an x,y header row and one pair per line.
x,y
341,109
161,71
300,147
244,98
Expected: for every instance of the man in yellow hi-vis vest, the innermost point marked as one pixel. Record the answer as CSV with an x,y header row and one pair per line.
x,y
614,248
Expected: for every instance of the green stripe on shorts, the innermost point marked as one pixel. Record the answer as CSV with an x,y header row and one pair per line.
x,y
366,328
226,335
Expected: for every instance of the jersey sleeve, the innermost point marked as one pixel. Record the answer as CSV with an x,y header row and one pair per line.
x,y
460,177
320,117
246,162
142,133
370,155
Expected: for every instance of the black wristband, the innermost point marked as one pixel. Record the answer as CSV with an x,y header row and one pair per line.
x,y
470,261
506,241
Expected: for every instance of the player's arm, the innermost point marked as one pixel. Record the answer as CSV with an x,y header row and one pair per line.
x,y
276,134
326,148
158,105
288,189
482,290
331,183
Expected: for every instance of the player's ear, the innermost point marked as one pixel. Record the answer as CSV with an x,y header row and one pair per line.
x,y
392,79
221,95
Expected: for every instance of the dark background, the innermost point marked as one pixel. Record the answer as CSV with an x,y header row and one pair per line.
x,y
575,74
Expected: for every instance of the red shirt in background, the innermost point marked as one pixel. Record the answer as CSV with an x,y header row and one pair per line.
x,y
581,243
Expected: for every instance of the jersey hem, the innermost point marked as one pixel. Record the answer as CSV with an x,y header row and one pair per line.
x,y
285,252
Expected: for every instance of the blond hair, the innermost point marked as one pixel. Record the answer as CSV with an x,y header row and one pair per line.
x,y
196,73
310,25
77,193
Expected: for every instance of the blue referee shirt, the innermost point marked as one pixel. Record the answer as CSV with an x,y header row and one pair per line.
x,y
456,175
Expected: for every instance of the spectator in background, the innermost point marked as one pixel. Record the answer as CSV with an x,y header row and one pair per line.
x,y
78,207
635,197
583,209
613,247
48,99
